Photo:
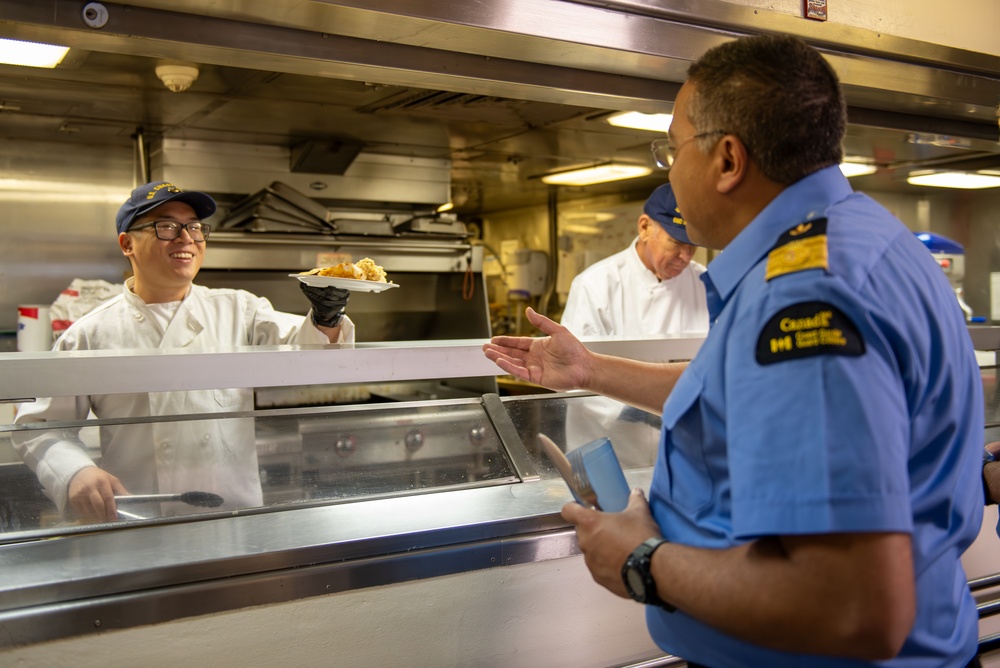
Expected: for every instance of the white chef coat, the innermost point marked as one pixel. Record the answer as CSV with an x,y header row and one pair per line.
x,y
618,296
209,455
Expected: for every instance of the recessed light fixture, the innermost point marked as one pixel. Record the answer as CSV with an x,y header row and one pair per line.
x,y
31,54
587,176
577,228
640,121
964,180
851,168
587,216
24,190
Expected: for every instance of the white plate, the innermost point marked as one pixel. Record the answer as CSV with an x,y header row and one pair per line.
x,y
352,284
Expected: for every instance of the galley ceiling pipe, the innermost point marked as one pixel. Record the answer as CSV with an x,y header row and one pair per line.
x,y
550,279
140,167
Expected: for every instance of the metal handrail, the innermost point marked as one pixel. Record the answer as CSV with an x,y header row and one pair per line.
x,y
984,582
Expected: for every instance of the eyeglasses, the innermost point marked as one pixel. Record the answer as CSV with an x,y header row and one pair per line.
x,y
664,152
168,230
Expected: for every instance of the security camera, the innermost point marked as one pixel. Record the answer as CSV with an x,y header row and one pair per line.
x,y
177,76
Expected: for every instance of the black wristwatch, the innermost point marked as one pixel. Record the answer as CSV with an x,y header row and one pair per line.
x,y
638,579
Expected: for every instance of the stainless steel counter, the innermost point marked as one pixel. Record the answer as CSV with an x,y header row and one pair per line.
x,y
382,520
469,494
355,496
106,580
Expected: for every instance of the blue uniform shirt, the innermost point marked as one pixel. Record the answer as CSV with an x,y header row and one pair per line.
x,y
837,391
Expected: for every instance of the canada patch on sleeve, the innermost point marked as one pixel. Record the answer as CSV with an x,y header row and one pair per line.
x,y
806,329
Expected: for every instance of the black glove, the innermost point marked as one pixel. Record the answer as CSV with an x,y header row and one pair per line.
x,y
328,304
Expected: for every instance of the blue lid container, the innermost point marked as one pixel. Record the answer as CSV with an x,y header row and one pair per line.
x,y
938,244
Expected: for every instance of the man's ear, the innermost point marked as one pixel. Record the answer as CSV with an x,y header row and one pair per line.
x,y
644,223
734,163
125,243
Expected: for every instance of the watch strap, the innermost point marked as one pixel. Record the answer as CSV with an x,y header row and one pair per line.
x,y
641,561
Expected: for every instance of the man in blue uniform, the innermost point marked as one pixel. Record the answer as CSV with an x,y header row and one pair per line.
x,y
819,465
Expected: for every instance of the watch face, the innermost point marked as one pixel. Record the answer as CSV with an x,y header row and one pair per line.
x,y
635,583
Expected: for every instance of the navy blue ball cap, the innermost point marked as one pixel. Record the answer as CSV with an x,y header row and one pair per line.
x,y
147,197
662,207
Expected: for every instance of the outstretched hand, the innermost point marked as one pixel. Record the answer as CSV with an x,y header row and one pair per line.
x,y
328,304
557,361
607,539
92,495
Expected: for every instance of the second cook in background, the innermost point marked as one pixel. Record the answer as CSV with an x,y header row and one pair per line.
x,y
160,231
651,288
819,475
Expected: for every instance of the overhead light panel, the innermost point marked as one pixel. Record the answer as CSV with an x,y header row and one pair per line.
x,y
640,121
31,54
26,190
587,216
964,180
850,169
588,176
577,228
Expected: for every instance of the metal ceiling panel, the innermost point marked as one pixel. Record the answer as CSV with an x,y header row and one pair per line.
x,y
504,90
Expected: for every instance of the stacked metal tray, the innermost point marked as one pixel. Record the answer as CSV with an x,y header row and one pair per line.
x,y
278,208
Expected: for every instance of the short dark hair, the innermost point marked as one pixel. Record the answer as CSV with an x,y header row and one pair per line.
x,y
779,96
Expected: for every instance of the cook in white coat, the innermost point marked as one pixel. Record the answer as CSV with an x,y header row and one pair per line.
x,y
652,288
161,233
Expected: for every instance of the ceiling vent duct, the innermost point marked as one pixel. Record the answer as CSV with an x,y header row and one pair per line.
x,y
325,157
375,179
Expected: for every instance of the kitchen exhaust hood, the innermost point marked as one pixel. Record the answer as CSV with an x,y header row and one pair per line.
x,y
367,180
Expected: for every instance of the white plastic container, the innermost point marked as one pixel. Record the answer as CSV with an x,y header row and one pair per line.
x,y
34,328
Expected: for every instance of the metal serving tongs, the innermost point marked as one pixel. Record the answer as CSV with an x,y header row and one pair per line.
x,y
572,471
200,499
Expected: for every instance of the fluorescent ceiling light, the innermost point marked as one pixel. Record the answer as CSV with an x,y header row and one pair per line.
x,y
587,216
587,176
640,121
965,180
577,228
25,190
856,169
31,54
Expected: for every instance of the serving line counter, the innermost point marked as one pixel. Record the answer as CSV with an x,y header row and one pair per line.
x,y
416,533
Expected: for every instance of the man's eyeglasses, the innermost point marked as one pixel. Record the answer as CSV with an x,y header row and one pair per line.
x,y
664,152
168,230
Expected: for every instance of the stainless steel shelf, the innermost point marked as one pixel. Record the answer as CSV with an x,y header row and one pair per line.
x,y
48,374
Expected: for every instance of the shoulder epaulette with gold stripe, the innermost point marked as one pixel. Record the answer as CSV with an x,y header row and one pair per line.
x,y
800,248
